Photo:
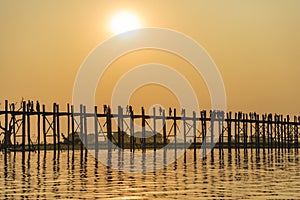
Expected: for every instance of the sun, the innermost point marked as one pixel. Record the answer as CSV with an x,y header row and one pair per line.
x,y
123,22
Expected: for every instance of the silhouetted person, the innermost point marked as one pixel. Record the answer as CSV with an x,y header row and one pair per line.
x,y
105,108
160,110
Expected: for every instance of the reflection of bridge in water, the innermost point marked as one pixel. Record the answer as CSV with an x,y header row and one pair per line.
x,y
32,128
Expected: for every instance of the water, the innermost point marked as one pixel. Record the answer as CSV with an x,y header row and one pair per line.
x,y
236,175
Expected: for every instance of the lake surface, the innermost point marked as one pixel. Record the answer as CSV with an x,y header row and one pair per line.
x,y
237,175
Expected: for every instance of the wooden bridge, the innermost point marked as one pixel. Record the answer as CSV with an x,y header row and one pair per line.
x,y
32,128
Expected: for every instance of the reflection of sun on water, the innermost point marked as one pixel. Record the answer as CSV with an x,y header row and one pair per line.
x,y
123,22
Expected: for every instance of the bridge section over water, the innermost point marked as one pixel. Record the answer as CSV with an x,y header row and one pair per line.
x,y
33,128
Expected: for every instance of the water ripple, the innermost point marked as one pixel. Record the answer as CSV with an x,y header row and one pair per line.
x,y
224,175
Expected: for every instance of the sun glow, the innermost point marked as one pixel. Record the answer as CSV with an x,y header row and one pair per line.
x,y
124,22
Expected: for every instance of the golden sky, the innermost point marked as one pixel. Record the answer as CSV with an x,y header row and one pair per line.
x,y
255,44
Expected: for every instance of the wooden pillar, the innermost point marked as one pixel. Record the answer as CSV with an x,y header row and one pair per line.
x,y
143,130
81,130
235,130
132,145
264,130
122,128
220,119
281,132
119,127
96,131
23,126
239,118
276,134
6,133
28,125
54,128
109,130
212,129
212,121
229,120
184,128
14,125
251,129
44,129
289,135
220,135
245,128
203,125
244,125
257,131
222,127
270,132
194,135
154,128
85,131
38,126
297,119
68,127
275,131
175,133
73,128
58,128
164,127
285,133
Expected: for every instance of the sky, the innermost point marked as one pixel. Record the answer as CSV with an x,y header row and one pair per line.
x,y
255,45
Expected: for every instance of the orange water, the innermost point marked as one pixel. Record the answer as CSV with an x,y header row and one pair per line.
x,y
235,175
